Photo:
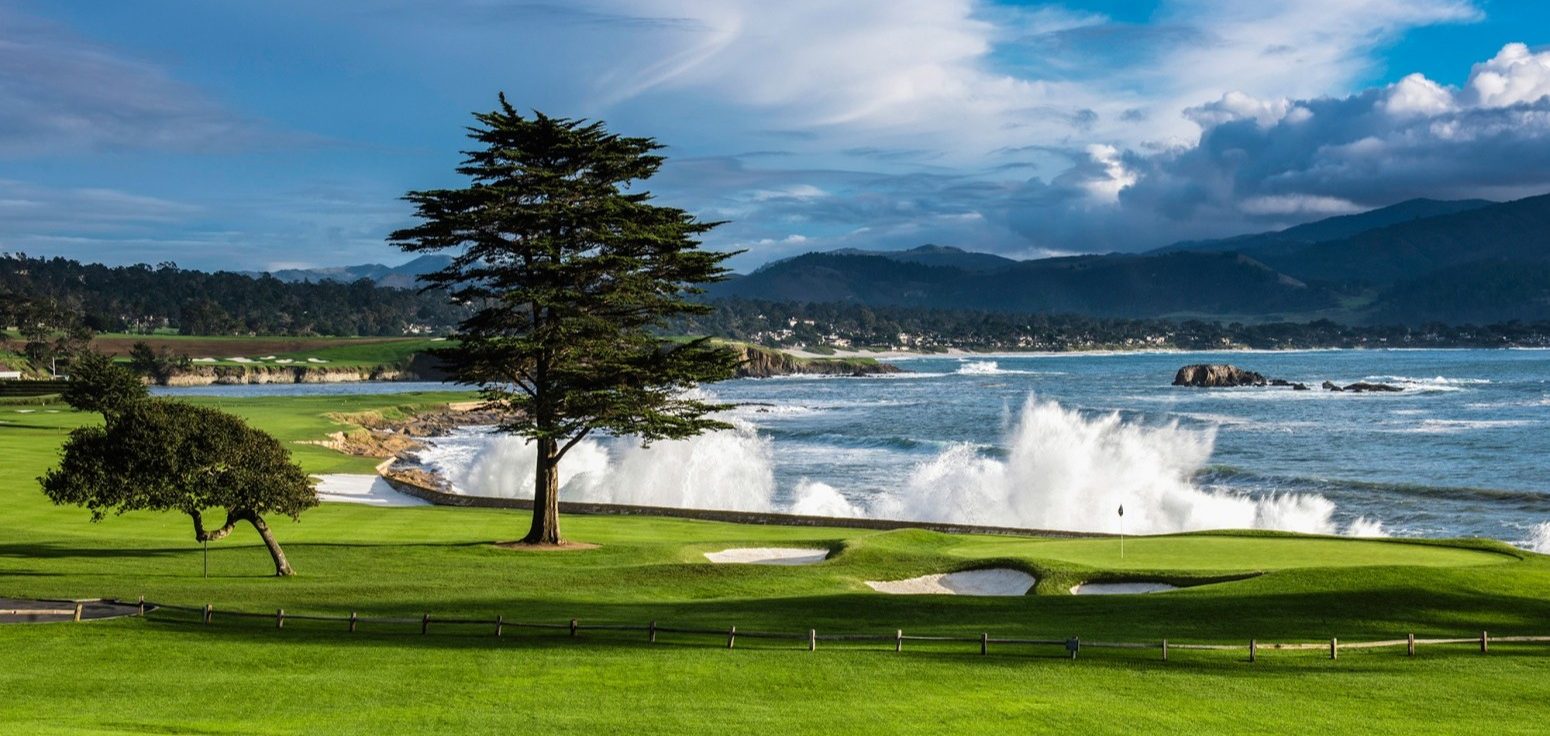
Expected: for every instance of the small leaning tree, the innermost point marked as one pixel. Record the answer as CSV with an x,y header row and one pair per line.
x,y
162,455
569,271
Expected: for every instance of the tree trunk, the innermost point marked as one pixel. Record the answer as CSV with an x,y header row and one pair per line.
x,y
546,496
281,566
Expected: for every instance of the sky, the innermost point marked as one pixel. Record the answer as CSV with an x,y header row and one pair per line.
x,y
283,133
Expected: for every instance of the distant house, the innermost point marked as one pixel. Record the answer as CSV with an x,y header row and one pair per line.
x,y
6,374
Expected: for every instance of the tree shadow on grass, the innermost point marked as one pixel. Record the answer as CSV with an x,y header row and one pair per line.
x,y
51,550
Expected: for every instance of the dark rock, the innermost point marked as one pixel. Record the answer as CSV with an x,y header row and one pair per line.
x,y
1362,386
1331,387
1280,382
1216,376
1299,387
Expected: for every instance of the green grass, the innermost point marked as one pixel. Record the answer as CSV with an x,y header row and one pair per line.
x,y
169,674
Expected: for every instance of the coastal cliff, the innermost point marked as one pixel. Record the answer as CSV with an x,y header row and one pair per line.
x,y
761,362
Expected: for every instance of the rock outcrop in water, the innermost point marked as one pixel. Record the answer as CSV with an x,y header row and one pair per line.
x,y
1363,386
1217,376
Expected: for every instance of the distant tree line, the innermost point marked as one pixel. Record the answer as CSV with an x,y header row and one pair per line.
x,y
143,298
827,326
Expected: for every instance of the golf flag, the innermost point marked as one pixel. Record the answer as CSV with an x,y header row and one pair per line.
x,y
1122,509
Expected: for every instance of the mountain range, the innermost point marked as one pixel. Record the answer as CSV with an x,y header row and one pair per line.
x,y
1415,262
402,276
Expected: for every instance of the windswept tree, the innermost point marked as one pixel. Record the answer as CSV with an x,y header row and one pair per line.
x,y
570,269
163,455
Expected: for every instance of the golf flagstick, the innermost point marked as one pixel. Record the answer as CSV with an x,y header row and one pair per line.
x,y
1122,531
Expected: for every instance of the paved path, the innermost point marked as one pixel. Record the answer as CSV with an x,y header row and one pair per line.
x,y
26,611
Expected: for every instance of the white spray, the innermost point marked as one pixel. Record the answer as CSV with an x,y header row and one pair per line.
x,y
1062,470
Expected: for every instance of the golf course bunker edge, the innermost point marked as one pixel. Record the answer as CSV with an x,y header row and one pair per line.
x,y
769,556
1121,588
992,582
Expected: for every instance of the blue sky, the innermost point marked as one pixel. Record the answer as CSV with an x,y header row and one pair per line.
x,y
280,134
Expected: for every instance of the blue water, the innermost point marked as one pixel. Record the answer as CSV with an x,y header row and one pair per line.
x,y
1463,451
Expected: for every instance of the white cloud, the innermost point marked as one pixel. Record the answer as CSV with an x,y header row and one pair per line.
x,y
1516,75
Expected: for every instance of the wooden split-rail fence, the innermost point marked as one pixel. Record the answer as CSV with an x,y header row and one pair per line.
x,y
1072,646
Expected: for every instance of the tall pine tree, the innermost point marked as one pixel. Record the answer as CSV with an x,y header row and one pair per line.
x,y
568,269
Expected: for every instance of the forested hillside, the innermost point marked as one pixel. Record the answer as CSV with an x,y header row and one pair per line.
x,y
144,298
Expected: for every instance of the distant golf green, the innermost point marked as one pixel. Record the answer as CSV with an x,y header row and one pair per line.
x,y
170,674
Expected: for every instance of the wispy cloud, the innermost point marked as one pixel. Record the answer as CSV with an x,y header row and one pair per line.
x,y
60,93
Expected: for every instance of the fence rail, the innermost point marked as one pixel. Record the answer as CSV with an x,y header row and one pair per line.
x,y
1072,646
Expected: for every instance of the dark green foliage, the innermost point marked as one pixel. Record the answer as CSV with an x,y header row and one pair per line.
x,y
165,455
98,385
142,298
569,270
159,365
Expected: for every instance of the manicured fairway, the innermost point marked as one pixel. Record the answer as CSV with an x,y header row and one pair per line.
x,y
170,674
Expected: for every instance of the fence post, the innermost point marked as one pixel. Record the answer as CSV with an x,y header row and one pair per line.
x,y
79,607
1165,650
1482,642
812,640
353,618
1253,649
898,640
1334,648
279,618
984,643
500,625
651,635
573,627
425,623
142,605
209,611
1410,645
731,637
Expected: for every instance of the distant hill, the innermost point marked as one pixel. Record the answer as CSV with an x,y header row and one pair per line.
x,y
1510,231
1482,292
403,276
937,255
1331,228
1111,285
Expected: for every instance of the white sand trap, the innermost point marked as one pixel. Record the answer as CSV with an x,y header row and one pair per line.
x,y
998,581
370,490
769,556
203,360
284,361
316,360
240,359
1121,588
25,411
266,357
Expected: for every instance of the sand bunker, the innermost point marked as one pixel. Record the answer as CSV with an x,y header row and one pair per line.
x,y
370,490
769,556
1121,588
999,581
